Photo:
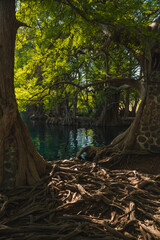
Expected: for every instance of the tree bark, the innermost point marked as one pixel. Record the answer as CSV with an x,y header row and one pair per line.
x,y
143,134
148,134
20,164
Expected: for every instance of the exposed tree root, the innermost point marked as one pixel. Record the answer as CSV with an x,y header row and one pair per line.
x,y
77,201
108,156
123,145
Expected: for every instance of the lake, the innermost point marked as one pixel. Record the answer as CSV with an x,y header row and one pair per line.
x,y
63,142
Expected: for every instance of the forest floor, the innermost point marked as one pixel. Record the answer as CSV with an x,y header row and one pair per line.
x,y
142,163
79,200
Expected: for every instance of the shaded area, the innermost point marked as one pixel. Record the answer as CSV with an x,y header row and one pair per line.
x,y
80,200
63,142
149,163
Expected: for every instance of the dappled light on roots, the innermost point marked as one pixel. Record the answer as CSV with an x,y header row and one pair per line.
x,y
80,200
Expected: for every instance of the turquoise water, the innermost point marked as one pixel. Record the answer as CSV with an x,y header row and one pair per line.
x,y
63,142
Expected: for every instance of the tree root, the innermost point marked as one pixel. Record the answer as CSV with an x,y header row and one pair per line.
x,y
109,156
123,145
78,202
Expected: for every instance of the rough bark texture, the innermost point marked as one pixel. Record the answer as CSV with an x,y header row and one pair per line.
x,y
149,127
19,162
142,137
144,132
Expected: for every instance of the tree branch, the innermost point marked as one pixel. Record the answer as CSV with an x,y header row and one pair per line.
x,y
21,24
132,82
126,82
78,11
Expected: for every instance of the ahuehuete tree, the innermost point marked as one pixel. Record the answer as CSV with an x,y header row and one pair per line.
x,y
20,164
135,26
132,24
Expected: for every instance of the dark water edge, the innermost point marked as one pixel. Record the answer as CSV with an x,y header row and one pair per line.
x,y
63,142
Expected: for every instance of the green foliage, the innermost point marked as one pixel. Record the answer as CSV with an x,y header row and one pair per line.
x,y
64,45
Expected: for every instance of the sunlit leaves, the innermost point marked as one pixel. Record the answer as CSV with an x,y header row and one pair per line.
x,y
64,44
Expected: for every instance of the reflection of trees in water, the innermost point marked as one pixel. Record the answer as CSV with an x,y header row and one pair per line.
x,y
57,140
74,132
85,137
61,142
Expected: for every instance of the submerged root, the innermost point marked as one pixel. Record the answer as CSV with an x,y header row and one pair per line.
x,y
75,202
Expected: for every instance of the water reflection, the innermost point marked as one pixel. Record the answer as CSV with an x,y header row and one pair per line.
x,y
63,142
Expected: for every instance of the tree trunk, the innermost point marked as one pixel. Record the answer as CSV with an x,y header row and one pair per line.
x,y
143,134
148,134
20,164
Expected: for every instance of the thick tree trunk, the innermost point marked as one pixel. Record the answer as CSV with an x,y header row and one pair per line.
x,y
143,134
20,164
148,134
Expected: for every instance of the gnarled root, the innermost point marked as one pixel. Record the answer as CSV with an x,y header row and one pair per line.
x,y
124,144
74,202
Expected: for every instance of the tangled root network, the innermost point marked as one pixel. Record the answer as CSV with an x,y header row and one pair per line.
x,y
81,201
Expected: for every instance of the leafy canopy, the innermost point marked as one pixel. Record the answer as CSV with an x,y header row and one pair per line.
x,y
67,43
